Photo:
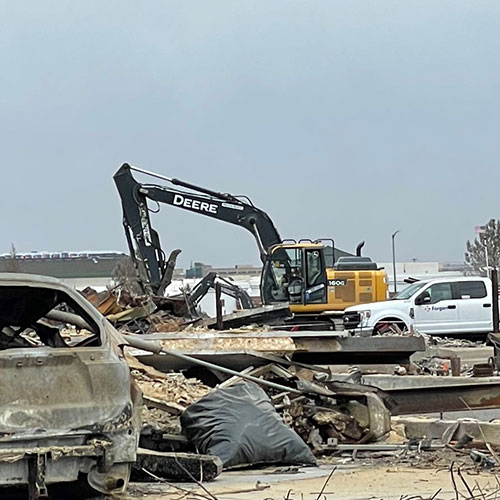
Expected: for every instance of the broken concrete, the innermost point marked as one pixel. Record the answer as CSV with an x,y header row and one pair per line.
x,y
420,427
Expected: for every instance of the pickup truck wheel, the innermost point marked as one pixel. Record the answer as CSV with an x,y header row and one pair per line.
x,y
390,326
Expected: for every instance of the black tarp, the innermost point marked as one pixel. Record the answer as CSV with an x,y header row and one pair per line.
x,y
240,425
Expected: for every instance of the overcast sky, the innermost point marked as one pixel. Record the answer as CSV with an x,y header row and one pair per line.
x,y
347,119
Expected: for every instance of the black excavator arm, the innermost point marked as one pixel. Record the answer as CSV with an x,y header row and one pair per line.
x,y
228,288
153,267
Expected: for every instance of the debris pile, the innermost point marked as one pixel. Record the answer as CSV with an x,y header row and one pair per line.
x,y
339,417
338,420
322,409
455,356
172,388
138,313
165,395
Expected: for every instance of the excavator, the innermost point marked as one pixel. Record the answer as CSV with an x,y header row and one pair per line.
x,y
304,273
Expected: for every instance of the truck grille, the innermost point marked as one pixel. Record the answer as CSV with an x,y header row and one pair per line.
x,y
351,320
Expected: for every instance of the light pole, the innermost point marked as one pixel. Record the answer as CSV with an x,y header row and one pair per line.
x,y
394,261
485,256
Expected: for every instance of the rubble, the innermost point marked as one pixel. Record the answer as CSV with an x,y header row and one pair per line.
x,y
309,407
160,420
341,422
138,313
157,465
165,395
141,314
453,356
268,315
172,388
448,430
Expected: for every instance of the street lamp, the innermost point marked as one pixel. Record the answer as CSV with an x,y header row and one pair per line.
x,y
394,261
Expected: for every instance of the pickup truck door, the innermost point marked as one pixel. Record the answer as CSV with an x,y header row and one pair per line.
x,y
474,306
440,314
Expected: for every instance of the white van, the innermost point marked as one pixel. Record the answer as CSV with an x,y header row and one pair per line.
x,y
439,306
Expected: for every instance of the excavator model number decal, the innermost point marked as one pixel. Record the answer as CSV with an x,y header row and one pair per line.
x,y
337,282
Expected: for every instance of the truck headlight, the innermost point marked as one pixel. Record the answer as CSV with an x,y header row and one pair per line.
x,y
365,316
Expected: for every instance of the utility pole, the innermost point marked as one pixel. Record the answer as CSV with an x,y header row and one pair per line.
x,y
218,306
487,261
494,287
394,261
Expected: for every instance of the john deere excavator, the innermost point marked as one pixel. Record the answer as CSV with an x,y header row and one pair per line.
x,y
302,273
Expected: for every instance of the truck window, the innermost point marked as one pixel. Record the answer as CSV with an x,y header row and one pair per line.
x,y
409,290
470,289
440,291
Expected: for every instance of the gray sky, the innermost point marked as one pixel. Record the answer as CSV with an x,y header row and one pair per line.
x,y
347,119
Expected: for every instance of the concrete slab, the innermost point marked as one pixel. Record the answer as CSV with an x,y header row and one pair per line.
x,y
468,355
234,349
396,382
417,394
421,427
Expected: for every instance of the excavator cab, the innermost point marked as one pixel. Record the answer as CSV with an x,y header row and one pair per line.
x,y
295,273
305,275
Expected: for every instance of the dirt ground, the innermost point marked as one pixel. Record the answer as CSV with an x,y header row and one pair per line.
x,y
347,483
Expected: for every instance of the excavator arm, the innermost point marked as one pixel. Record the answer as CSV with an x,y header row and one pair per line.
x,y
143,240
228,288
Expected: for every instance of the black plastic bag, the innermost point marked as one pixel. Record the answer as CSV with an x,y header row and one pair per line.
x,y
240,425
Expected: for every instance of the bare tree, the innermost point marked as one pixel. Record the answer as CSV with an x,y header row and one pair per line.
x,y
125,276
13,264
484,251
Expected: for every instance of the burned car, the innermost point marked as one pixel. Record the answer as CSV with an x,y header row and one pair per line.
x,y
69,410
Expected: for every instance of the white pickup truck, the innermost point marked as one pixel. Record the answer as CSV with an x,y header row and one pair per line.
x,y
439,307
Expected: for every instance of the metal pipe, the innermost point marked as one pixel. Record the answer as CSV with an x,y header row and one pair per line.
x,y
359,248
178,182
67,317
156,348
152,174
262,250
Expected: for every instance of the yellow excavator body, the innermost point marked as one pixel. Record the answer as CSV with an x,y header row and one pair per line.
x,y
300,272
349,288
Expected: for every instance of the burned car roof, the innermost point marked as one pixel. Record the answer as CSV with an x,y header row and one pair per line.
x,y
30,278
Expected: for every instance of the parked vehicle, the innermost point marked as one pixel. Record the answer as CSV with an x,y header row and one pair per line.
x,y
439,307
68,407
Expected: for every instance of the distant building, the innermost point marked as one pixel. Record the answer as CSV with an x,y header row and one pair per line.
x,y
419,271
200,270
77,269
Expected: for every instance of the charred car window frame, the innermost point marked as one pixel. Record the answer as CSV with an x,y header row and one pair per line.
x,y
31,317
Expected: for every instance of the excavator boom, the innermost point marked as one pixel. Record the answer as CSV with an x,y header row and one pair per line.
x,y
147,253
